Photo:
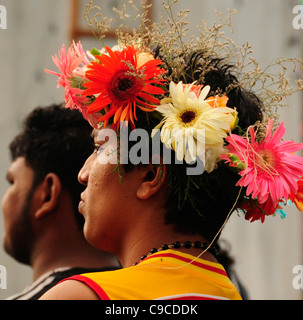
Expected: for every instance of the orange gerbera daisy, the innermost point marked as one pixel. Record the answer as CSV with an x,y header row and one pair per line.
x,y
298,197
122,84
217,101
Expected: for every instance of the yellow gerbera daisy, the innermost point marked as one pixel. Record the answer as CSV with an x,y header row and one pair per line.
x,y
191,126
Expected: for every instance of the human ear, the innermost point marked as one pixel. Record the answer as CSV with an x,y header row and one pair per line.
x,y
49,192
154,178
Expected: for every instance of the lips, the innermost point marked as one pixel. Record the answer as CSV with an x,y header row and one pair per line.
x,y
81,205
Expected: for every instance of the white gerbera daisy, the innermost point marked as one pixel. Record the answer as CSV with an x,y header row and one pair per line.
x,y
191,127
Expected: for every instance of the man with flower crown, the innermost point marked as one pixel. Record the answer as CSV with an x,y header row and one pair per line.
x,y
161,222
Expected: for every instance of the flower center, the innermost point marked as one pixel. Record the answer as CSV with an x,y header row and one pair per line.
x,y
125,87
188,116
266,160
125,84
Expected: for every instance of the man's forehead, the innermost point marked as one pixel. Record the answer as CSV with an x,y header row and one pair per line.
x,y
19,165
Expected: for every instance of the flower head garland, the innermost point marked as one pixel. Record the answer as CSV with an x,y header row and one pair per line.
x,y
195,119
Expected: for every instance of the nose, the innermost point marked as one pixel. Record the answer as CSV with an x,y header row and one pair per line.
x,y
83,174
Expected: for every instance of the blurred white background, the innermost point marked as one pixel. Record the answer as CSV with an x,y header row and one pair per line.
x,y
265,254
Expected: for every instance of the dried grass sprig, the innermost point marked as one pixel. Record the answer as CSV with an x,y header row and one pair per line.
x,y
271,83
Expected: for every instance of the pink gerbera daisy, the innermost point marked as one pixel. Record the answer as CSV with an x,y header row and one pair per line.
x,y
70,63
271,167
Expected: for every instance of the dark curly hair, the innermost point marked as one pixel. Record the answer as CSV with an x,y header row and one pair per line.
x,y
58,140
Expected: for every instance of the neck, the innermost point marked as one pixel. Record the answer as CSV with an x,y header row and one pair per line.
x,y
153,234
54,255
60,243
181,246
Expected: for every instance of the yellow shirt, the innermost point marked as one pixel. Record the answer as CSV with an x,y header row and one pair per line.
x,y
166,275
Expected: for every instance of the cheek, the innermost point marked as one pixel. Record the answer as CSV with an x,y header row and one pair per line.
x,y
10,204
97,205
11,208
103,206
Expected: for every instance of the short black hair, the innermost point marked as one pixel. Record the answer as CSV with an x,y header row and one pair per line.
x,y
58,140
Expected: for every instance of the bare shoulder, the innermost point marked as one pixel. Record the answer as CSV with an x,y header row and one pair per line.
x,y
70,290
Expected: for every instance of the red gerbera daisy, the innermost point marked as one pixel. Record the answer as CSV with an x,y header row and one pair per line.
x,y
122,84
256,211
